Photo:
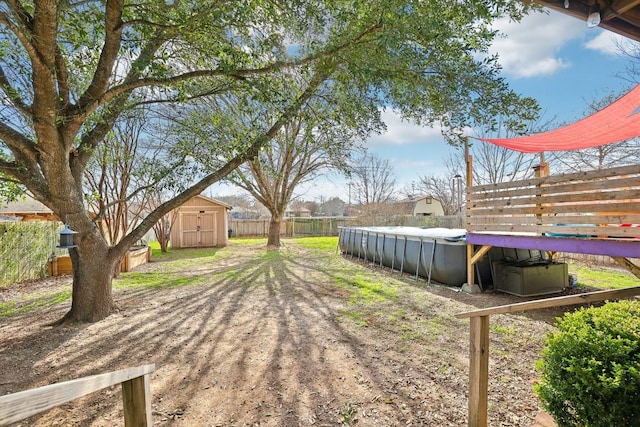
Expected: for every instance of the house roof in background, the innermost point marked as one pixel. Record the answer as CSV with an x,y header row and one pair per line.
x,y
27,208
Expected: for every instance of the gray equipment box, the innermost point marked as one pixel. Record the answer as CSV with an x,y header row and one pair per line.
x,y
530,279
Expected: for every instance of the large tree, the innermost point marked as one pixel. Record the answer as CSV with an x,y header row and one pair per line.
x,y
373,180
68,70
316,141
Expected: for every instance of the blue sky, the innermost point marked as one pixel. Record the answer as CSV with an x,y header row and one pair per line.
x,y
551,57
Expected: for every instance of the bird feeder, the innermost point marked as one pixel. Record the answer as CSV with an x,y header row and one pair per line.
x,y
66,238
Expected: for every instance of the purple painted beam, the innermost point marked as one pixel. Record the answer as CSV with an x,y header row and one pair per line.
x,y
621,248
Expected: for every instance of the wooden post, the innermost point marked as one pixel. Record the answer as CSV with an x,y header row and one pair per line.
x,y
469,160
479,340
540,171
136,399
136,395
470,267
478,371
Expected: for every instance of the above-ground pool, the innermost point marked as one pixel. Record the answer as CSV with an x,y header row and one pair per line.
x,y
436,254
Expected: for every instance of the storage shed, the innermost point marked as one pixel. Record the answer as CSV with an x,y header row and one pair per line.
x,y
200,222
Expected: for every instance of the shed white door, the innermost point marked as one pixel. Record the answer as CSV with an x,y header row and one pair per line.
x,y
198,229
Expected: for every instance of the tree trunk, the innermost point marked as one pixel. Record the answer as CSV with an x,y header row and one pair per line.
x,y
93,267
162,230
274,231
164,244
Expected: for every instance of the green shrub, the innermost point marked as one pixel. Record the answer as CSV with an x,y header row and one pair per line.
x,y
591,367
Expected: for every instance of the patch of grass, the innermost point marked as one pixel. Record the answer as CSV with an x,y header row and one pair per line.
x,y
187,255
602,277
365,288
273,256
38,301
349,414
409,334
249,241
502,330
319,243
358,318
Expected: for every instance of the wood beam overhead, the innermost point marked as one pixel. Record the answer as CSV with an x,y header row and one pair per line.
x,y
619,16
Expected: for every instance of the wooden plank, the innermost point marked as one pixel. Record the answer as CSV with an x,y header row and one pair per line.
x,y
470,268
481,252
630,266
588,297
136,399
620,196
620,184
563,178
628,248
587,208
18,406
623,196
562,231
601,197
556,219
478,371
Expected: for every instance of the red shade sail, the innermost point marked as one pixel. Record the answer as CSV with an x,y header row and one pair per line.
x,y
617,122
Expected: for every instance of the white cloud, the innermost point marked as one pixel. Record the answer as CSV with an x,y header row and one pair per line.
x,y
611,44
401,132
530,47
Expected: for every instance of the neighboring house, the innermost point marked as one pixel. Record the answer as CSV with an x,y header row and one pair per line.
x,y
27,209
419,206
297,213
200,222
427,206
239,212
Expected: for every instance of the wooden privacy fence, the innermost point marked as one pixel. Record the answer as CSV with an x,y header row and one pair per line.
x,y
596,203
290,227
329,226
479,341
136,396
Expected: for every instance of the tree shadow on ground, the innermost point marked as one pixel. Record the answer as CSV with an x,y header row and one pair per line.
x,y
260,338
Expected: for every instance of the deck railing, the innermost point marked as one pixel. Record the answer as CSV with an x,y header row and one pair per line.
x,y
136,396
479,341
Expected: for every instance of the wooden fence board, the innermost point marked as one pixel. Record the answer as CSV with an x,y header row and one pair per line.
x,y
620,172
611,209
531,190
584,231
600,196
599,220
18,406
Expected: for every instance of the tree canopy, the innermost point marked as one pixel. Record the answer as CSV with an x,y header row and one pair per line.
x,y
69,70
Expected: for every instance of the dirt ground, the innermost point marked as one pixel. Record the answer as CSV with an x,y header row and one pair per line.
x,y
251,338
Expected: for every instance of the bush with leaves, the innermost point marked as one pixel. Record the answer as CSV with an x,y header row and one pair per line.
x,y
591,367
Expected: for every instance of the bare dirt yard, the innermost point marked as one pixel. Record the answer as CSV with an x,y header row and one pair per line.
x,y
242,336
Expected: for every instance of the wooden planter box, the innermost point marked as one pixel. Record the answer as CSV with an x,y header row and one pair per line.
x,y
136,256
59,266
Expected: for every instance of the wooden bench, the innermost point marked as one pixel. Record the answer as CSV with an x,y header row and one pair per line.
x,y
136,396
